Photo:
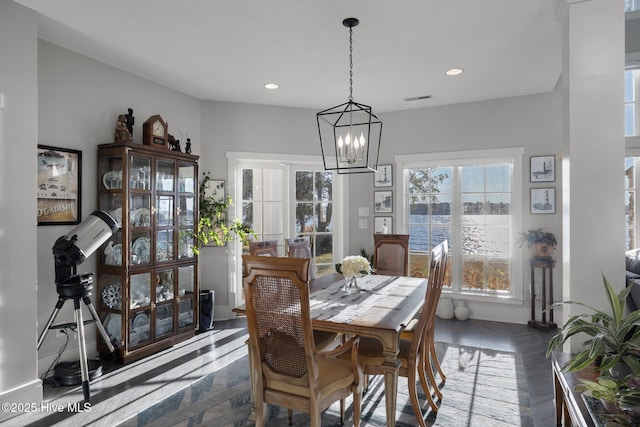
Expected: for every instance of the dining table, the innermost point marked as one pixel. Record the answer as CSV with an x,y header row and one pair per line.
x,y
381,309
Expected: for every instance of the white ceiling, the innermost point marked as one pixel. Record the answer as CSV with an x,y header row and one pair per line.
x,y
227,50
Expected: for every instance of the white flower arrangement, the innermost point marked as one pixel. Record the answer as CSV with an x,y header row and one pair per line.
x,y
354,266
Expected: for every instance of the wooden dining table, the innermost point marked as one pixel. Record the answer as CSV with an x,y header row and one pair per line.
x,y
381,310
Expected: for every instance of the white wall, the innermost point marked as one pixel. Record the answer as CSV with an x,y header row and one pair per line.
x,y
18,138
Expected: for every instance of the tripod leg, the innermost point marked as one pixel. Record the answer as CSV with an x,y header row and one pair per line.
x,y
84,367
103,332
55,312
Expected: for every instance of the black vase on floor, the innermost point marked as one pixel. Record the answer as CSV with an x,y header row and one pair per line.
x,y
207,301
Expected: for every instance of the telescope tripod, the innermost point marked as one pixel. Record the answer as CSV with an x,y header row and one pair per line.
x,y
79,289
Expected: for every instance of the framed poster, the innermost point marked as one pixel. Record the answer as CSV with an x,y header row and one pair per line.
x,y
59,186
215,189
383,176
383,201
543,169
543,200
383,224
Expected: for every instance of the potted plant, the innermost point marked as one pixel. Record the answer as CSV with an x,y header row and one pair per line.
x,y
542,242
620,398
614,337
212,224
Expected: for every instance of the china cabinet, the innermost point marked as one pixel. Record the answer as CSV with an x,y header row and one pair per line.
x,y
147,282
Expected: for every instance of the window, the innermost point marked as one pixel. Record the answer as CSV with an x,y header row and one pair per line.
x,y
630,211
630,77
468,199
263,202
285,196
314,215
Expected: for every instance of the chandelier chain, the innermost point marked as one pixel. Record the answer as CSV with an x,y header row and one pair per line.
x,y
350,63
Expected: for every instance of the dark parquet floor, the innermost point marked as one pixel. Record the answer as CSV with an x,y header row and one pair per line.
x,y
123,395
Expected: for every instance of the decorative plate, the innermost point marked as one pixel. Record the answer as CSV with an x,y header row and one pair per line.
x,y
112,325
140,321
107,179
112,296
164,251
117,215
113,254
141,217
141,248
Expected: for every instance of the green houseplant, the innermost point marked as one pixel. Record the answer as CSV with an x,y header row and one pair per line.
x,y
213,226
614,338
542,242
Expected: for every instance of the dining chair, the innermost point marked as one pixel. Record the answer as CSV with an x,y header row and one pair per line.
x,y
300,247
430,357
264,248
391,254
287,368
413,351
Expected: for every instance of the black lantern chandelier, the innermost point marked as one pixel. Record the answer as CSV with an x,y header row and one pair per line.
x,y
350,133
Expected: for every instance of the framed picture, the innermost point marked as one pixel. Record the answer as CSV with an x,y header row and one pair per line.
x,y
543,200
59,186
383,224
383,176
383,201
215,189
543,169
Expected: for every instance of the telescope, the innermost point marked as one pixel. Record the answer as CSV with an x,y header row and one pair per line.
x,y
69,251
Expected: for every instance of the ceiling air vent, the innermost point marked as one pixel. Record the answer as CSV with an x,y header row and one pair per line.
x,y
418,98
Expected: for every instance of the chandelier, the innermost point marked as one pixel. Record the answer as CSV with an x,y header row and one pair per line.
x,y
350,133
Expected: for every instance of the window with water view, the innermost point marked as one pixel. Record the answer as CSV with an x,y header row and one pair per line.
x,y
470,205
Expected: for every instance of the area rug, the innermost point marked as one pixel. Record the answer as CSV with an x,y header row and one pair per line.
x,y
483,388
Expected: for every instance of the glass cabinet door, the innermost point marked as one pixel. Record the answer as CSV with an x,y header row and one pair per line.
x,y
140,290
165,175
186,281
110,171
140,173
140,210
165,289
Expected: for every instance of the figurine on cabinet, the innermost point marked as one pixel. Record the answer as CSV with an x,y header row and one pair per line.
x,y
121,133
174,143
130,120
187,148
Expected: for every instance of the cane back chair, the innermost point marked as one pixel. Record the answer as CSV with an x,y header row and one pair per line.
x,y
287,370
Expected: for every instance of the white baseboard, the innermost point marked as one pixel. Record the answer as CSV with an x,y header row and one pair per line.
x,y
26,394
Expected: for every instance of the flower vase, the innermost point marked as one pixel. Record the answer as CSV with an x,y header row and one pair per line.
x,y
462,311
351,285
445,309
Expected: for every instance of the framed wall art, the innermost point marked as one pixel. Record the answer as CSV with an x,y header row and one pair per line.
x,y
59,186
383,224
543,169
215,188
543,200
383,176
383,201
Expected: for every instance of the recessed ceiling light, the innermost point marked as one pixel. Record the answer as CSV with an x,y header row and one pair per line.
x,y
453,71
272,86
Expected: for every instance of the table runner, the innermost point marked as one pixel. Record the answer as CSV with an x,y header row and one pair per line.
x,y
335,304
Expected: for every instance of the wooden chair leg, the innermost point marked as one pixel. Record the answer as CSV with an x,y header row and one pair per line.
x,y
432,351
290,416
357,402
341,411
425,386
413,395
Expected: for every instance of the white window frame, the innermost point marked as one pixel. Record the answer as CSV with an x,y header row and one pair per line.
x,y
471,157
289,163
